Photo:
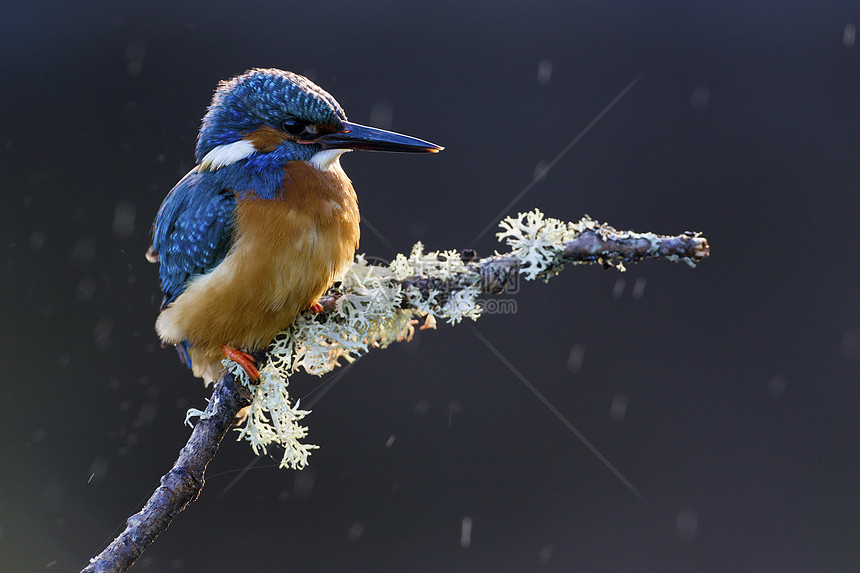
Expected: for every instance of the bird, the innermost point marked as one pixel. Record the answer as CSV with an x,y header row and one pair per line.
x,y
264,222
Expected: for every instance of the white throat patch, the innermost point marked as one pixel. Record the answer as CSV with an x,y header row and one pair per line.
x,y
226,154
325,159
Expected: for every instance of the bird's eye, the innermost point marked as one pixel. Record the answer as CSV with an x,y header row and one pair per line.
x,y
294,126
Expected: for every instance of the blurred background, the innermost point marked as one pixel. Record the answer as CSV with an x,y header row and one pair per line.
x,y
728,395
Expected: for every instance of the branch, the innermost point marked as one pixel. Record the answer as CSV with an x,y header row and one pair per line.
x,y
606,245
181,485
601,244
373,306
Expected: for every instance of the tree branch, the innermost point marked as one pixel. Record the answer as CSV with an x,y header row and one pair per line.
x,y
181,485
586,242
605,245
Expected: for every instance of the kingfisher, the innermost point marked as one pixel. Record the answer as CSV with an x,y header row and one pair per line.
x,y
264,222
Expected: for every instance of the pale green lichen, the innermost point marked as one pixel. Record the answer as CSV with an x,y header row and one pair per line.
x,y
462,285
368,313
539,242
202,414
273,420
375,309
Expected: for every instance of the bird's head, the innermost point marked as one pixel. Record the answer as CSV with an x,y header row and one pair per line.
x,y
268,117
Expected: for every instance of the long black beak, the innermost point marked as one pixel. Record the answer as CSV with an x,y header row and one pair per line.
x,y
355,136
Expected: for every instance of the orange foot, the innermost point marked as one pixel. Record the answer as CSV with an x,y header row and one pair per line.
x,y
316,307
243,359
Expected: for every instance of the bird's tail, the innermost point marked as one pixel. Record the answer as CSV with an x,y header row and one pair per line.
x,y
184,355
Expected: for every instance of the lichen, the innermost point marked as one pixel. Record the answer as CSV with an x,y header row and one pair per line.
x,y
201,414
273,420
539,242
377,305
372,311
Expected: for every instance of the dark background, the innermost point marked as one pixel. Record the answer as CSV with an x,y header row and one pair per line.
x,y
740,378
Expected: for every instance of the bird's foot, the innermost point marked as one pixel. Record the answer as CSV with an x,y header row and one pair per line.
x,y
316,307
243,359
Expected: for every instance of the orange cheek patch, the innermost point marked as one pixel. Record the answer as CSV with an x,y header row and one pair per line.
x,y
265,138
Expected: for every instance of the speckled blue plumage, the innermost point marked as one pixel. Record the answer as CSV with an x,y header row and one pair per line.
x,y
192,231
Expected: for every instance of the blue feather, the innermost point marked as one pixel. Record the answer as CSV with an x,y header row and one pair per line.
x,y
261,174
193,231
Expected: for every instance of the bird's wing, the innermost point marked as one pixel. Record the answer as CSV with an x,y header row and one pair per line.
x,y
192,232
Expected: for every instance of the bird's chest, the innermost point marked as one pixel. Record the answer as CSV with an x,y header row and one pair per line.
x,y
289,249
